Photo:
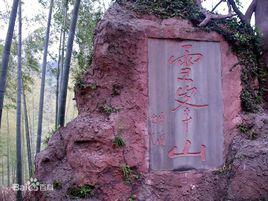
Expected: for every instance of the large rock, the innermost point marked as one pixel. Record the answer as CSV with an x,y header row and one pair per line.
x,y
113,101
249,161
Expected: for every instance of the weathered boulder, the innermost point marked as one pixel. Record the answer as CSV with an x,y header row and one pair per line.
x,y
113,106
249,161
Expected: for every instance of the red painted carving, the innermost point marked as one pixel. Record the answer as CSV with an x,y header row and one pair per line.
x,y
185,91
185,75
184,99
186,120
187,59
186,153
189,105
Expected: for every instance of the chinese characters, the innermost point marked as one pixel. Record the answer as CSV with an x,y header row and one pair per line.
x,y
184,99
158,138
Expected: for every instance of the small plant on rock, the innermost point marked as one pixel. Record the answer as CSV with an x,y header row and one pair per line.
x,y
126,170
226,168
248,130
130,175
48,136
108,109
118,141
244,128
57,185
116,90
85,191
80,83
131,198
93,86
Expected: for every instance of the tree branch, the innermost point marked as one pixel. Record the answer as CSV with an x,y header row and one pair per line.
x,y
250,10
210,16
237,11
229,7
217,5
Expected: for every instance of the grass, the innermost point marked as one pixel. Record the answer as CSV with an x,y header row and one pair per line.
x,y
86,191
118,141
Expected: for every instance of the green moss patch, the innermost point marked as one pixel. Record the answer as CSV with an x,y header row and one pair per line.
x,y
86,191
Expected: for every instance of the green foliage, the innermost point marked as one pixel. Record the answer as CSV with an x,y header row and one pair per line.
x,y
249,101
248,130
87,21
48,136
117,90
93,86
131,198
118,141
224,169
57,185
126,170
129,175
82,85
243,128
107,109
86,191
78,74
46,140
245,42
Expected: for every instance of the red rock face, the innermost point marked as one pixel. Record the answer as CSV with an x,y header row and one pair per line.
x,y
114,102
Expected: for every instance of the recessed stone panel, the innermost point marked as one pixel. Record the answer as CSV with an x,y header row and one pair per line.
x,y
185,105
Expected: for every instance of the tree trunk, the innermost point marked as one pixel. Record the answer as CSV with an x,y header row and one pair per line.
x,y
67,64
23,141
261,16
61,59
27,131
42,90
237,11
18,123
13,174
8,151
65,2
3,174
58,81
6,54
33,128
261,13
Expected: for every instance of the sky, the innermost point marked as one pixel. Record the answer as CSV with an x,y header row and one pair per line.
x,y
209,4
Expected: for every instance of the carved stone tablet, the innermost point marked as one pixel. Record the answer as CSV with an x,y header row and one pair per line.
x,y
185,105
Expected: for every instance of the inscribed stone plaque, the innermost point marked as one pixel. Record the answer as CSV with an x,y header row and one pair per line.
x,y
185,105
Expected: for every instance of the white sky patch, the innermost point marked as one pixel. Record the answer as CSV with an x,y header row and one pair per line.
x,y
210,4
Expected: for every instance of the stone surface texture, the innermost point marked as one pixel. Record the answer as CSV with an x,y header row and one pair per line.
x,y
113,101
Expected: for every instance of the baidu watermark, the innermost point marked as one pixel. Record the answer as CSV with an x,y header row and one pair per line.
x,y
33,185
